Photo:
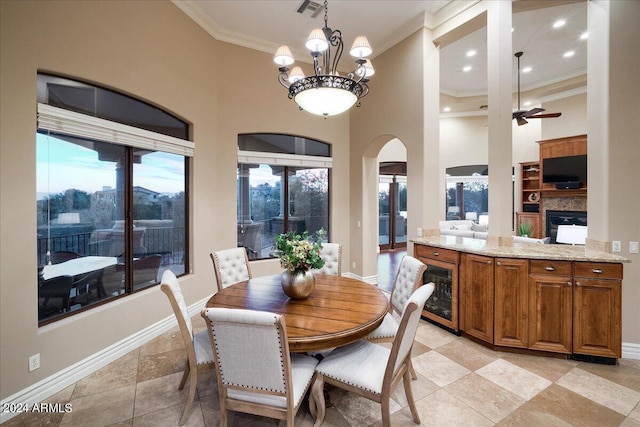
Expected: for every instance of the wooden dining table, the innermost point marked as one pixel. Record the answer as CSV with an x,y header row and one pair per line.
x,y
340,310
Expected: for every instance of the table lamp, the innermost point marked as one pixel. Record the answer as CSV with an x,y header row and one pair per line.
x,y
572,234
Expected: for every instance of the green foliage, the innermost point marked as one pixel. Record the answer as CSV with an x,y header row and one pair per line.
x,y
297,253
524,229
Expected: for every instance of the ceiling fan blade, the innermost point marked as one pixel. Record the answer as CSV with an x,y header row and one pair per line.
x,y
533,111
544,116
521,121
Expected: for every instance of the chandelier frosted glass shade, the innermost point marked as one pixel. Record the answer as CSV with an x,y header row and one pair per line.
x,y
326,95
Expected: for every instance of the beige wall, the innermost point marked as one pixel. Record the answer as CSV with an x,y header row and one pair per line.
x,y
152,51
573,120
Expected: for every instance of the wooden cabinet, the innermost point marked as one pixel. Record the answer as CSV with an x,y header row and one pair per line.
x,y
530,185
550,306
510,312
597,320
477,288
533,219
442,270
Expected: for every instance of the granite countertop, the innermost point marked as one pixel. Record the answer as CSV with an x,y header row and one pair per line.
x,y
519,250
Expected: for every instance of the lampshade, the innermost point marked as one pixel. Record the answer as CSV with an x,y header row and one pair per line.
x,y
483,220
369,67
473,216
326,101
296,74
317,42
572,234
453,209
361,47
283,56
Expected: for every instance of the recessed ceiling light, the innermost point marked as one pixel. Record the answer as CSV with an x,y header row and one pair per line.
x,y
569,54
446,109
471,53
584,36
527,69
527,103
559,23
467,68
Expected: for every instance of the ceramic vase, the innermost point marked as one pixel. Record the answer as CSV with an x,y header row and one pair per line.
x,y
298,284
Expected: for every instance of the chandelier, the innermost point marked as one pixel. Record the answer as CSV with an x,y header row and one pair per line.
x,y
326,92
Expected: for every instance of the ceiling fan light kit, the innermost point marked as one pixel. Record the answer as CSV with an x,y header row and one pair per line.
x,y
520,115
326,92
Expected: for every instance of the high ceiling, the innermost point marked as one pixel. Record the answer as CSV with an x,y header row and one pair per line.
x,y
264,25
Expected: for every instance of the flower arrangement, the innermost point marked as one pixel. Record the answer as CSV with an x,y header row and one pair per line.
x,y
297,253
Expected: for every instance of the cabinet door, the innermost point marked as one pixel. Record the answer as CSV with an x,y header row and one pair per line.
x,y
597,317
550,299
478,296
510,322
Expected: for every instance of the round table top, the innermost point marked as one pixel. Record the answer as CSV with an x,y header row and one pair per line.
x,y
340,310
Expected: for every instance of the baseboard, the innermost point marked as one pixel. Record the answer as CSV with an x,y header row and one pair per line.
x,y
51,385
630,351
372,280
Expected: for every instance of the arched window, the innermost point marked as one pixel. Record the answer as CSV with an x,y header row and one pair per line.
x,y
283,185
111,196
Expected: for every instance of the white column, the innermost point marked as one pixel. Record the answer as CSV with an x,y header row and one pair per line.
x,y
500,63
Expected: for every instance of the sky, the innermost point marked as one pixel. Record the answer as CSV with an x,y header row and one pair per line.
x,y
62,165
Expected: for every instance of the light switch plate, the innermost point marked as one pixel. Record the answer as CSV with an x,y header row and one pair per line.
x,y
616,246
633,247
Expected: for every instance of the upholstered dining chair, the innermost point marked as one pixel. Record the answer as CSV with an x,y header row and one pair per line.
x,y
331,254
408,279
256,373
231,266
370,370
198,345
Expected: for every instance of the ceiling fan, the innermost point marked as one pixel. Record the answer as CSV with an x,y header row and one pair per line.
x,y
521,115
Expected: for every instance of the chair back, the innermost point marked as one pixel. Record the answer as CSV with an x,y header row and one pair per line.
x,y
56,287
145,270
58,257
171,288
331,254
252,355
231,266
407,330
408,279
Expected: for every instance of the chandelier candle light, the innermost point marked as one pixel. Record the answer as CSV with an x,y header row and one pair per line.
x,y
326,93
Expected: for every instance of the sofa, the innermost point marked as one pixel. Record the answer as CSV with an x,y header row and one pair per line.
x,y
468,228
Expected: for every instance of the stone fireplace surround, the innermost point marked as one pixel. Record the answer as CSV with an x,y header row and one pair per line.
x,y
554,203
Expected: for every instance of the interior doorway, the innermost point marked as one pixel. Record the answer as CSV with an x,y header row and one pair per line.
x,y
392,205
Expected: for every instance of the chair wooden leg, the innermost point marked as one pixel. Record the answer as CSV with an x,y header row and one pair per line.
x,y
410,366
386,415
318,396
409,394
193,381
185,375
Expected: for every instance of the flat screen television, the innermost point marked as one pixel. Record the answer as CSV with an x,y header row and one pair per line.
x,y
565,169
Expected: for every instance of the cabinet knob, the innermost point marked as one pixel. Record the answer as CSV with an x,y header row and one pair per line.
x,y
596,271
498,263
569,283
578,284
436,254
488,262
550,268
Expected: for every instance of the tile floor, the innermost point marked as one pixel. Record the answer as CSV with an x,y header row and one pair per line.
x,y
459,383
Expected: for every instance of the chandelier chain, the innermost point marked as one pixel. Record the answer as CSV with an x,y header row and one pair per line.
x,y
326,13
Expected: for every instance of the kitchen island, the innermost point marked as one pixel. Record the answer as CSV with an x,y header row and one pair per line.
x,y
553,299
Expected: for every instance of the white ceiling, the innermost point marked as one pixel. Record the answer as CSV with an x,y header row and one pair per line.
x,y
266,24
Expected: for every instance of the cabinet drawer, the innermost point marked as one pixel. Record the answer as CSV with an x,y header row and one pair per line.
x,y
600,270
431,252
558,268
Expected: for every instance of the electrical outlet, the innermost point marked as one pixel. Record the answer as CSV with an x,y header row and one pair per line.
x,y
633,247
34,362
616,246
419,232
353,264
